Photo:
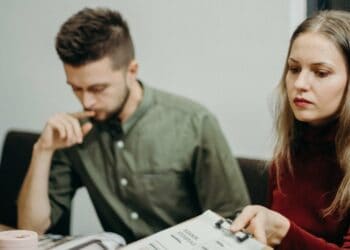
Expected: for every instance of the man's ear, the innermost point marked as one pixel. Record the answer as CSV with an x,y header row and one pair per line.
x,y
133,68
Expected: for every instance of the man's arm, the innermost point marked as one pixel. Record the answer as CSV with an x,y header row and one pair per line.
x,y
33,202
219,181
61,131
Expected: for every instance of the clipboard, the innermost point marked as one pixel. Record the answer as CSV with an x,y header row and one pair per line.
x,y
208,231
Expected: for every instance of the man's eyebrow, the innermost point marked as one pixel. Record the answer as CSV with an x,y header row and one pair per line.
x,y
102,84
97,85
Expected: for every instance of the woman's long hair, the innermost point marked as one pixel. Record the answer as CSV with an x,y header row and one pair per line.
x,y
335,26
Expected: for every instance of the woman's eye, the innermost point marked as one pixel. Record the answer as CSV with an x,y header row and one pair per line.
x,y
76,89
294,70
321,73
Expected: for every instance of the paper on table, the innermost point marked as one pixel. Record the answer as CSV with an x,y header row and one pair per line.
x,y
198,233
97,241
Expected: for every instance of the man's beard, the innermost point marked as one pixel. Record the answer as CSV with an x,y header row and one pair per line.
x,y
118,110
123,103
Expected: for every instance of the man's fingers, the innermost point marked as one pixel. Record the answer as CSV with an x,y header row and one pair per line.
x,y
57,127
83,114
77,131
68,128
60,130
80,130
86,127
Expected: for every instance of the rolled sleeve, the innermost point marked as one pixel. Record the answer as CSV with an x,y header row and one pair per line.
x,y
62,186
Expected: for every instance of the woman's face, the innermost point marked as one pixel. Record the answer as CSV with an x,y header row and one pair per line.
x,y
316,78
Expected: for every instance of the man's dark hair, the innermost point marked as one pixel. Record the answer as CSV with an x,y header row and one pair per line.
x,y
92,34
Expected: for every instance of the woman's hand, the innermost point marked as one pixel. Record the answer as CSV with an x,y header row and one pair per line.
x,y
266,225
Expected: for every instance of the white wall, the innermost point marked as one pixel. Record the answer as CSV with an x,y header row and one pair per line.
x,y
226,54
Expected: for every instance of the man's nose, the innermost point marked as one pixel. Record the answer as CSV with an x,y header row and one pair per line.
x,y
88,100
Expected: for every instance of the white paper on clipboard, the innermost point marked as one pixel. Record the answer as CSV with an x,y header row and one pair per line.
x,y
198,233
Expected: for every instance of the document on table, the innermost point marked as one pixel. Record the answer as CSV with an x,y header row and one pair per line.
x,y
99,241
198,233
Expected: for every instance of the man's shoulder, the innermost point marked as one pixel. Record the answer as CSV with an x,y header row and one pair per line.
x,y
177,102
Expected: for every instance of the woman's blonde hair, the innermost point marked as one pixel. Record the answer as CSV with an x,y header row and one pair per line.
x,y
335,26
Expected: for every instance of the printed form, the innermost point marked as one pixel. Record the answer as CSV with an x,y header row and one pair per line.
x,y
198,233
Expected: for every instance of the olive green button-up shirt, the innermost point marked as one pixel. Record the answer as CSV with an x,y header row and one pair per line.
x,y
167,163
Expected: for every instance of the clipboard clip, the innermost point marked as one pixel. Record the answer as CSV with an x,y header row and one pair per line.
x,y
224,224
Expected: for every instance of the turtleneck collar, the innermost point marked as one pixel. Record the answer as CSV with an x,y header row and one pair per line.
x,y
322,134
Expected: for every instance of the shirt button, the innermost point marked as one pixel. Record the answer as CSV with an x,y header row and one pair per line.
x,y
120,144
123,182
134,215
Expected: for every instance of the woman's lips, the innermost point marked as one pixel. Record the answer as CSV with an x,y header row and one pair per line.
x,y
301,102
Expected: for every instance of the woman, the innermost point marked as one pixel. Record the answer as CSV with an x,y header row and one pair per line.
x,y
310,172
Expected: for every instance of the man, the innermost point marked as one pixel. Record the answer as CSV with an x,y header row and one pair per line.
x,y
148,159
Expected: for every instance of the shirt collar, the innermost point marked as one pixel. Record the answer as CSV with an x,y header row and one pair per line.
x,y
141,109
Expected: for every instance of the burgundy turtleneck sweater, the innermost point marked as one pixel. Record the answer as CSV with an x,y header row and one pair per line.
x,y
302,197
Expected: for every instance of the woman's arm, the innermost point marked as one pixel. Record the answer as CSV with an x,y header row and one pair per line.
x,y
274,229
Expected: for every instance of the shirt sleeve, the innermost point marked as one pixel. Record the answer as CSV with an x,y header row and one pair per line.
x,y
298,238
62,185
218,179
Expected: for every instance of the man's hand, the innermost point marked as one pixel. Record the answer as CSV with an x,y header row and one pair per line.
x,y
61,130
64,130
266,225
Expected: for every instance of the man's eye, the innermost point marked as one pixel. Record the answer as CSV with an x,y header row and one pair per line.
x,y
97,89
